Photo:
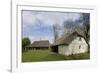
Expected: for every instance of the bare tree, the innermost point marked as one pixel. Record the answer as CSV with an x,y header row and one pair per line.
x,y
82,25
69,26
55,32
84,29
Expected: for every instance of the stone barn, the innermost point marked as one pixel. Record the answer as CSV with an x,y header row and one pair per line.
x,y
39,45
70,44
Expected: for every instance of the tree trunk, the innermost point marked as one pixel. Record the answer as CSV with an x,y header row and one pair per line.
x,y
88,46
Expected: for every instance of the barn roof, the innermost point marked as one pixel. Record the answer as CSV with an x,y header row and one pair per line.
x,y
41,43
67,38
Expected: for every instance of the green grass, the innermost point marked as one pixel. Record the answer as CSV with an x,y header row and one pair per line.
x,y
46,55
78,56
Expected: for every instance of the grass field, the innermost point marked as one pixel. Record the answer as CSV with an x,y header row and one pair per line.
x,y
46,55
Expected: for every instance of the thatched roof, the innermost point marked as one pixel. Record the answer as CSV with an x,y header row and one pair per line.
x,y
66,39
41,43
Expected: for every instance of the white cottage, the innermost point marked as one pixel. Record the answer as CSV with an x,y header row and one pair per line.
x,y
70,44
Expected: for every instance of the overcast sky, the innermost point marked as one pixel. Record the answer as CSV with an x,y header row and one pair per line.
x,y
38,24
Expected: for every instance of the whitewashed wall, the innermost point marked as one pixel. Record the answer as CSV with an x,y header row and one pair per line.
x,y
64,49
76,46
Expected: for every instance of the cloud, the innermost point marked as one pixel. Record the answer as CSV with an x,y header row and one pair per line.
x,y
28,18
48,18
35,21
51,18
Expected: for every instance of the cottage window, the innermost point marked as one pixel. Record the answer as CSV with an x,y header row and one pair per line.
x,y
80,47
80,39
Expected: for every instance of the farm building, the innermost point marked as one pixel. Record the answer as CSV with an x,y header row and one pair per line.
x,y
36,45
70,44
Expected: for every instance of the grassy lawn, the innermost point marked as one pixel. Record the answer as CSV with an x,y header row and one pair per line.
x,y
46,55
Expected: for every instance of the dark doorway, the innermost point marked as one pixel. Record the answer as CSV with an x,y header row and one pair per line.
x,y
54,49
